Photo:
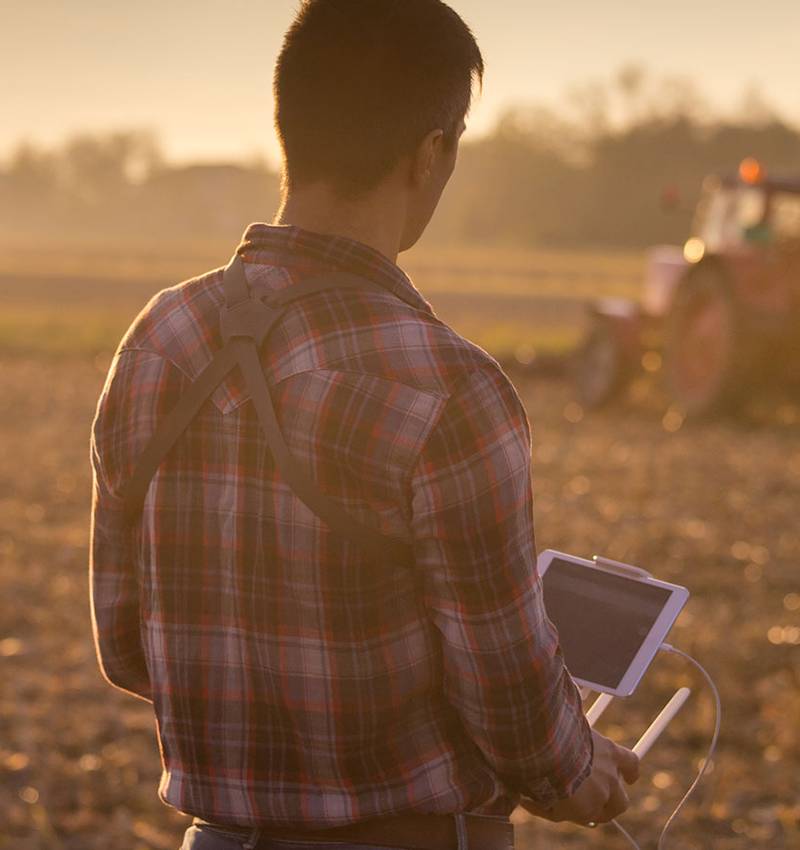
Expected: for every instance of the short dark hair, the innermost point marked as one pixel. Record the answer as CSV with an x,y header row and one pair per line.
x,y
359,83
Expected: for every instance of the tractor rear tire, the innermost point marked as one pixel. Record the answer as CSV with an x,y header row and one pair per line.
x,y
601,369
705,347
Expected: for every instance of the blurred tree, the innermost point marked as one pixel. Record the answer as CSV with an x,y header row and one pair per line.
x,y
32,173
755,108
591,171
99,168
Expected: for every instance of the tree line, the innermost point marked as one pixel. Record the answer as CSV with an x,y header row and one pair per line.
x,y
590,172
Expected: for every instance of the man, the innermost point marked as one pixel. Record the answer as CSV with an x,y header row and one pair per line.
x,y
306,691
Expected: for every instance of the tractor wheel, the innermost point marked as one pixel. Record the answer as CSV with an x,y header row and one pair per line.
x,y
601,370
703,347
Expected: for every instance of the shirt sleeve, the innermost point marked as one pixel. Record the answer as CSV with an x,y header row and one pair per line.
x,y
114,586
472,521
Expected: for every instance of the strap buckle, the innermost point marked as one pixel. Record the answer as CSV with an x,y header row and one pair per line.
x,y
251,318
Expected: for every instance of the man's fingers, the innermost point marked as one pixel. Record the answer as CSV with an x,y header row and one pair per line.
x,y
628,764
617,803
592,810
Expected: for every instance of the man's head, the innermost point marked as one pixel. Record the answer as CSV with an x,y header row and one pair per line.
x,y
369,89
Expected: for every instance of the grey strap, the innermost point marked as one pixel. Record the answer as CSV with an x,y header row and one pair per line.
x,y
245,323
380,546
175,423
234,282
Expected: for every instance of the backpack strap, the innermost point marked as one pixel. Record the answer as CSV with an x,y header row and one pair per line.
x,y
170,428
245,323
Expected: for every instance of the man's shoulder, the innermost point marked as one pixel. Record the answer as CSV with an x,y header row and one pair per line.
x,y
420,349
389,339
180,323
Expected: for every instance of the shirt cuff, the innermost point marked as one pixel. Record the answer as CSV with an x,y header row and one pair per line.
x,y
546,794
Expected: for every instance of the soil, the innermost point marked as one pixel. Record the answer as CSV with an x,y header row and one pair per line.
x,y
711,505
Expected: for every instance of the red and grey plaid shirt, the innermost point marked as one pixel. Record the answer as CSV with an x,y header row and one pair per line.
x,y
294,679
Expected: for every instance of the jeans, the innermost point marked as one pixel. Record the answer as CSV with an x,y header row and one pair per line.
x,y
203,837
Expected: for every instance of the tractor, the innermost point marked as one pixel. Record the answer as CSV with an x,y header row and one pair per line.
x,y
719,317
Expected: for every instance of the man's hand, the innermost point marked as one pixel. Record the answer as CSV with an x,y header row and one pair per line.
x,y
601,796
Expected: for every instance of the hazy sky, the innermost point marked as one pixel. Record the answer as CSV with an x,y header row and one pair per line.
x,y
200,72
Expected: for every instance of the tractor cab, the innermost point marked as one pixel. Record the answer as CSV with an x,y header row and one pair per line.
x,y
718,310
741,213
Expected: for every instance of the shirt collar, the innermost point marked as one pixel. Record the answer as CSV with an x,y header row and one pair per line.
x,y
282,243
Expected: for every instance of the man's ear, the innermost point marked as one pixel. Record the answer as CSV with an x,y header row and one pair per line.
x,y
428,150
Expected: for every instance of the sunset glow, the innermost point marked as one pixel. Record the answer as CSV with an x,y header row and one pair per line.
x,y
202,79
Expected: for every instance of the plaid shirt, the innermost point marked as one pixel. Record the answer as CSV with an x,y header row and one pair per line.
x,y
294,680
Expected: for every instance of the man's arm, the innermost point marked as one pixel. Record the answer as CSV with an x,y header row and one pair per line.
x,y
473,530
114,586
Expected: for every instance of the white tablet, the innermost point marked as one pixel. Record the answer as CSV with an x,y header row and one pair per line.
x,y
611,618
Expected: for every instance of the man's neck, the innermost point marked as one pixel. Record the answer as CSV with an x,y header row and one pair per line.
x,y
375,220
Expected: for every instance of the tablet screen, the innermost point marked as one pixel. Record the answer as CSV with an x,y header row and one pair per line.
x,y
602,619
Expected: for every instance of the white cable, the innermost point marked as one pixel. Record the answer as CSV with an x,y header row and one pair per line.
x,y
711,749
627,834
712,746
